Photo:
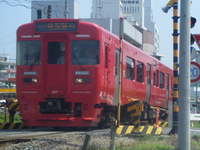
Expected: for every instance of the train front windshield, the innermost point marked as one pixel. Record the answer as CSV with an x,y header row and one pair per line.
x,y
28,52
85,52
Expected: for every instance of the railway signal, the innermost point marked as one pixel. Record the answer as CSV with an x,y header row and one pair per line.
x,y
193,21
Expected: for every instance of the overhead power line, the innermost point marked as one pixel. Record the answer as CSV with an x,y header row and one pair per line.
x,y
15,4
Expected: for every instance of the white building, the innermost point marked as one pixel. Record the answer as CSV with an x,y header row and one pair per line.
x,y
133,10
148,16
106,9
7,69
137,12
156,40
54,9
150,24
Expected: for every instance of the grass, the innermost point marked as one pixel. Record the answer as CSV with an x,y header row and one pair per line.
x,y
16,120
152,143
2,117
144,143
196,124
195,143
147,147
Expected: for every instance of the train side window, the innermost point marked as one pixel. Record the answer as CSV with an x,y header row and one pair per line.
x,y
106,56
157,78
130,68
162,80
117,62
140,72
168,83
154,78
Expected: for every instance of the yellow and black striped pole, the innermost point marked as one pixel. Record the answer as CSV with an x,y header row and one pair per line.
x,y
175,65
174,4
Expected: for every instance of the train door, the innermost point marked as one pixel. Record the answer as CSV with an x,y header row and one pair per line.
x,y
148,85
55,70
117,76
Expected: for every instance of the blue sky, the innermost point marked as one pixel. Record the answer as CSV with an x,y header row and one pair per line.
x,y
12,17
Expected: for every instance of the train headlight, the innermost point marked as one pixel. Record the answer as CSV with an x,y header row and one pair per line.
x,y
82,80
30,80
34,80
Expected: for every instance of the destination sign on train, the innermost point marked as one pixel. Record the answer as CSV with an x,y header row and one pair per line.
x,y
56,26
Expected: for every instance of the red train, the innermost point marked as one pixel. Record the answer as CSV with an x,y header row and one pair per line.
x,y
68,74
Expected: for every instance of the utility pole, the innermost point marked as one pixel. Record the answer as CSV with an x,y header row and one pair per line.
x,y
184,141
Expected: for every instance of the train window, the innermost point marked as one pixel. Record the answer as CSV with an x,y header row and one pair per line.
x,y
162,80
157,78
117,62
154,78
168,84
140,72
130,68
56,52
28,52
106,56
85,52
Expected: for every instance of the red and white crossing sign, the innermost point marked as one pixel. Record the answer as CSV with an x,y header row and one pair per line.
x,y
197,39
195,72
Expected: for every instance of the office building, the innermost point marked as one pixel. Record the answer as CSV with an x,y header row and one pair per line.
x,y
42,9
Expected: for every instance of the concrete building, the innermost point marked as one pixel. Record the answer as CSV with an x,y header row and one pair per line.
x,y
54,9
156,40
137,12
133,10
7,69
106,9
148,16
148,42
150,25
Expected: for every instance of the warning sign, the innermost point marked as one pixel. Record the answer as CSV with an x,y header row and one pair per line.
x,y
195,72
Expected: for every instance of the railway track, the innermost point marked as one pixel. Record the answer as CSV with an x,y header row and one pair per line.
x,y
17,136
57,139
20,136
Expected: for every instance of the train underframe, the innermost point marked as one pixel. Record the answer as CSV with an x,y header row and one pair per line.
x,y
135,113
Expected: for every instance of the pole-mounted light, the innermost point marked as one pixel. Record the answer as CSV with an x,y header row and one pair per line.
x,y
168,6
